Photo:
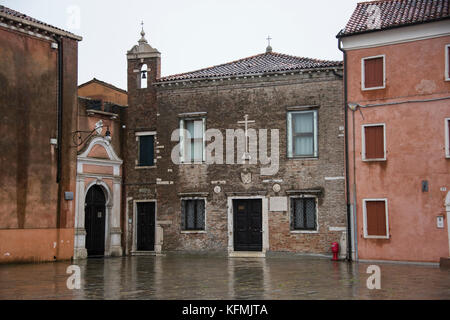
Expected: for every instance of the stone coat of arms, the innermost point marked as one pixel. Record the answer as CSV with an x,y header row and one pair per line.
x,y
246,177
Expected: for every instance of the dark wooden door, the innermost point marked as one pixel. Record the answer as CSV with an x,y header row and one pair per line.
x,y
247,225
145,226
95,221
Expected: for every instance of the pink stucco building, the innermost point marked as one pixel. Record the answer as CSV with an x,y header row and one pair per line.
x,y
398,161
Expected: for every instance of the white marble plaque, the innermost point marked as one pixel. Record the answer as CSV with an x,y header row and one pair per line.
x,y
278,203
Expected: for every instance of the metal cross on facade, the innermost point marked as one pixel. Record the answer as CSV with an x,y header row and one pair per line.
x,y
246,122
268,40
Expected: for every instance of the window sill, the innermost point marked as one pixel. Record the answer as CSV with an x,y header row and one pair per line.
x,y
193,232
303,231
374,88
374,160
191,163
303,158
144,168
377,237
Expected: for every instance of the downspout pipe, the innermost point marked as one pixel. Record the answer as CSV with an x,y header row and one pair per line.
x,y
59,143
347,185
60,107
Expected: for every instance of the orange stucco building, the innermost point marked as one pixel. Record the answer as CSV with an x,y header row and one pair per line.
x,y
55,166
38,99
398,98
99,193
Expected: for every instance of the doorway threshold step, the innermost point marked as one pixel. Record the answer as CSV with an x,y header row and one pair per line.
x,y
146,253
247,254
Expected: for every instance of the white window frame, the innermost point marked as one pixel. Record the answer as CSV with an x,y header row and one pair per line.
x,y
289,135
447,141
366,236
194,231
317,213
182,139
144,134
447,67
363,136
363,76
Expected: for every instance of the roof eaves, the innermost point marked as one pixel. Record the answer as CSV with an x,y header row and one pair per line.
x,y
251,75
41,26
104,101
106,84
342,34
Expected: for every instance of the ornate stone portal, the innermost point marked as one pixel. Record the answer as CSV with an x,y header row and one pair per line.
x,y
99,165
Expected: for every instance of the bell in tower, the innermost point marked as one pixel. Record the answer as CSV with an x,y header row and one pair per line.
x,y
141,59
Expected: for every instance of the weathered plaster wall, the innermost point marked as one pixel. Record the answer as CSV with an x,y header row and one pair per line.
x,y
415,144
31,202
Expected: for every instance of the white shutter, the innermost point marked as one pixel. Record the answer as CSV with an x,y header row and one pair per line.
x,y
204,139
316,135
289,134
182,141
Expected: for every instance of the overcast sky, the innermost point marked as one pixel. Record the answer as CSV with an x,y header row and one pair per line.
x,y
191,34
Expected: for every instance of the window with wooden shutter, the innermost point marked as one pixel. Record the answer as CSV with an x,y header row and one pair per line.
x,y
373,73
146,151
375,221
447,137
447,62
373,142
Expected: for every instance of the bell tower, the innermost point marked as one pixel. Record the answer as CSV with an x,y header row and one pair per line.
x,y
140,55
144,68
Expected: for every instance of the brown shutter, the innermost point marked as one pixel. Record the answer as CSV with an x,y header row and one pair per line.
x,y
374,142
376,218
448,62
373,73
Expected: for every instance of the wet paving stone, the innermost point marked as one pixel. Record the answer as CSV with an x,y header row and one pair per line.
x,y
215,277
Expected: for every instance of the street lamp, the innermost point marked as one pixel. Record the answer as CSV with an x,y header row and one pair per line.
x,y
78,139
353,106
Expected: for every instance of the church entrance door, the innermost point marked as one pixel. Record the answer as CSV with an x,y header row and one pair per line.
x,y
247,216
95,221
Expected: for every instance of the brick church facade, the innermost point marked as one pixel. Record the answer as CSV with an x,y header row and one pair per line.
x,y
289,196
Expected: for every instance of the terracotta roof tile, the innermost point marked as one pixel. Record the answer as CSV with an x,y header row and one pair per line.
x,y
395,13
269,62
16,14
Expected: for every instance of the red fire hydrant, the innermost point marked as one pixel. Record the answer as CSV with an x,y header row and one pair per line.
x,y
335,250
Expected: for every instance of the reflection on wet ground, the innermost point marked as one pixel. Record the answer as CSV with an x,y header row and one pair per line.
x,y
216,277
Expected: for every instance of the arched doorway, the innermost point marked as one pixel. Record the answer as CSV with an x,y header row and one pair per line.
x,y
95,217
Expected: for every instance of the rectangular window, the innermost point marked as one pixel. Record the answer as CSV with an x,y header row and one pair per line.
x,y
193,140
303,214
447,137
373,148
373,73
302,133
193,215
146,156
447,62
376,219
